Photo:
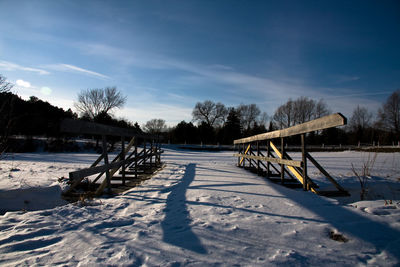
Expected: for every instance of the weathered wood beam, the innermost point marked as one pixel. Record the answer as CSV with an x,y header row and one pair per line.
x,y
292,169
329,121
102,168
245,152
324,172
304,159
106,162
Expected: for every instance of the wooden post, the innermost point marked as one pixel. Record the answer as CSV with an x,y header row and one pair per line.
x,y
238,157
151,153
106,163
159,151
136,159
123,158
144,155
258,161
304,161
250,151
158,148
282,165
268,163
244,162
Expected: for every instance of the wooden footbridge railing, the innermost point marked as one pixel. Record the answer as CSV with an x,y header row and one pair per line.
x,y
137,159
277,165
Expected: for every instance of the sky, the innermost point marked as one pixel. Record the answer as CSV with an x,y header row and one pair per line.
x,y
166,56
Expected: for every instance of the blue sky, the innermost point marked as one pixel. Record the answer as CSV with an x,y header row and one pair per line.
x,y
168,55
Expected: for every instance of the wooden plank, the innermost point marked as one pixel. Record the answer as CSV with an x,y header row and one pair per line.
x,y
299,170
117,158
76,180
108,176
268,163
100,190
294,163
291,168
262,162
258,161
324,172
282,165
247,150
85,127
329,121
276,169
123,158
102,168
304,159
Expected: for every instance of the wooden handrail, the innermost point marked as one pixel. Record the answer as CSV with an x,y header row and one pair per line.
x,y
329,121
86,127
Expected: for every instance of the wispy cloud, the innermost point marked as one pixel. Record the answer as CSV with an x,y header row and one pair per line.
x,y
267,91
218,73
10,66
72,68
345,78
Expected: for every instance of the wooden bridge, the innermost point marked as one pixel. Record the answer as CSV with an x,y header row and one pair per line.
x,y
136,160
277,165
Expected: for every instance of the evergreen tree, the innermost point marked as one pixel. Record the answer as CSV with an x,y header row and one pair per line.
x,y
232,129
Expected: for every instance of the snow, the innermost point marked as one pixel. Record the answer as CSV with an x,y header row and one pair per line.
x,y
199,210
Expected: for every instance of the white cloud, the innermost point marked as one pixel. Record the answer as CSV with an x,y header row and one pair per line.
x,y
72,68
6,65
23,83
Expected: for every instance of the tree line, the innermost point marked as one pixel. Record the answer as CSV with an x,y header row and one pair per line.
x,y
211,123
34,117
219,124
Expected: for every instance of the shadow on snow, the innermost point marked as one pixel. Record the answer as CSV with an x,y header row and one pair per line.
x,y
176,224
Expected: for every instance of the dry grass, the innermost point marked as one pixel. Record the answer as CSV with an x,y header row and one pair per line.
x,y
364,174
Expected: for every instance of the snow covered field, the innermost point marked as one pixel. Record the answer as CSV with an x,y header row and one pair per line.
x,y
200,210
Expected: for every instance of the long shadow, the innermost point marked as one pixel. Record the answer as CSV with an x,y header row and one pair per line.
x,y
176,224
381,235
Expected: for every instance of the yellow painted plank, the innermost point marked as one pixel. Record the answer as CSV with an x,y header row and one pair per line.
x,y
247,150
291,169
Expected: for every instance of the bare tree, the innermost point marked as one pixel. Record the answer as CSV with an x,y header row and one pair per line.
x,y
155,126
321,109
263,119
304,109
361,119
93,102
248,115
299,111
4,85
389,114
209,112
283,116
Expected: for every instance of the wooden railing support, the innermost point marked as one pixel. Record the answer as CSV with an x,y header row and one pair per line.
x,y
123,159
258,161
108,177
304,162
282,165
268,163
294,169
